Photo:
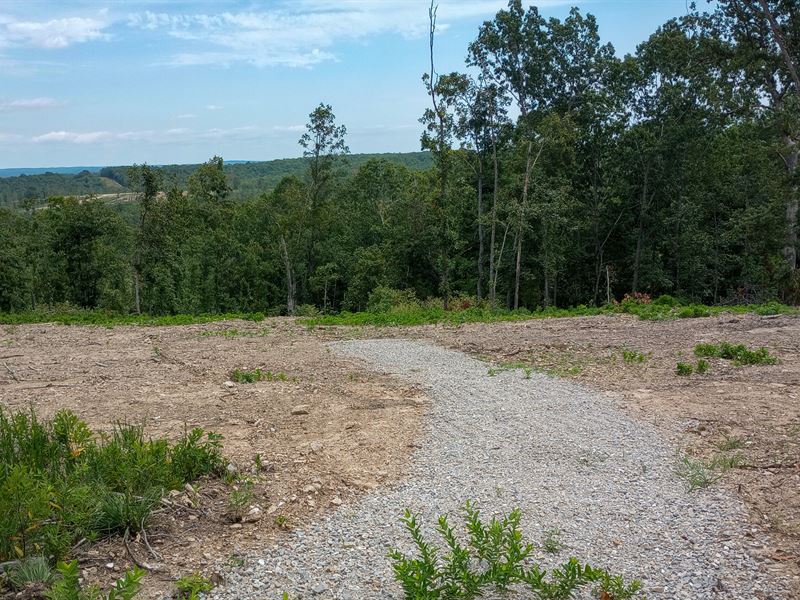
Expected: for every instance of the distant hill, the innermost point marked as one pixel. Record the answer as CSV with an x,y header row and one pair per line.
x,y
246,178
43,170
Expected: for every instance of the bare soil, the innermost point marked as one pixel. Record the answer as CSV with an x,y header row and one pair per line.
x,y
357,434
361,425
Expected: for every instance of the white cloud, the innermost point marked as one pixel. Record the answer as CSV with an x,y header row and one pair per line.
x,y
73,137
174,135
55,33
291,128
301,33
213,107
29,104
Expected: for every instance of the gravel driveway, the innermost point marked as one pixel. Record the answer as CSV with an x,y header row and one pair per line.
x,y
563,454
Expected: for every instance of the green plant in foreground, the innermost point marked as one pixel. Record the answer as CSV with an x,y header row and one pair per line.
x,y
494,558
68,586
189,586
60,483
684,369
702,366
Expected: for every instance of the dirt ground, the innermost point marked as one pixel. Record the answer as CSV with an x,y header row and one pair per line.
x,y
361,426
357,434
750,412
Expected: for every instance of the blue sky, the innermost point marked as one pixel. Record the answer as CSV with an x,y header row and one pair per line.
x,y
111,82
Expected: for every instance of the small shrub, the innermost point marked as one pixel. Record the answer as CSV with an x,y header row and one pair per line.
x,y
494,558
702,366
239,501
189,586
307,310
684,369
385,299
666,300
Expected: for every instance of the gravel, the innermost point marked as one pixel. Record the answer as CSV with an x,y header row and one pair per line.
x,y
563,454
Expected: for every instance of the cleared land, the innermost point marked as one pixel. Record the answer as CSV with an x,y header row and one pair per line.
x,y
356,434
361,425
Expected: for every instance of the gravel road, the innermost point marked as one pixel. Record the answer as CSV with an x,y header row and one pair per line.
x,y
563,454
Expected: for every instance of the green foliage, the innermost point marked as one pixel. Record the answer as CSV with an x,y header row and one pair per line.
x,y
68,586
31,571
738,353
239,500
68,315
493,558
189,586
255,375
551,542
702,366
60,483
633,356
696,473
409,315
684,369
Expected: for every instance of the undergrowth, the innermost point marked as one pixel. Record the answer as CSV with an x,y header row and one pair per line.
x,y
419,314
493,557
409,311
61,483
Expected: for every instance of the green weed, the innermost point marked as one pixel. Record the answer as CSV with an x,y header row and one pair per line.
x,y
255,375
239,500
684,369
729,443
738,353
68,587
494,558
189,586
702,366
633,356
696,474
551,543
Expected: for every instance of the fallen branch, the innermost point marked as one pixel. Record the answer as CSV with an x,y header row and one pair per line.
x,y
11,371
772,466
153,553
130,553
11,356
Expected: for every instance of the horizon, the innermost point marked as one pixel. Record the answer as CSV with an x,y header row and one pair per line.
x,y
96,83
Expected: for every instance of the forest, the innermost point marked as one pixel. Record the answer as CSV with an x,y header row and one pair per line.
x,y
561,175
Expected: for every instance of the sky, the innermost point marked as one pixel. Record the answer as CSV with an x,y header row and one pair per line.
x,y
89,82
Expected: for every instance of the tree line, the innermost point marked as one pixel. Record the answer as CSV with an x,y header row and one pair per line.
x,y
562,174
